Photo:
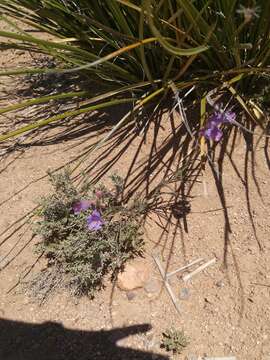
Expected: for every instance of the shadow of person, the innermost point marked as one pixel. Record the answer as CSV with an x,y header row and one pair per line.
x,y
52,341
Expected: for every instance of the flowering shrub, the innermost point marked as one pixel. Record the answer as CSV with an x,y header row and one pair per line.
x,y
87,234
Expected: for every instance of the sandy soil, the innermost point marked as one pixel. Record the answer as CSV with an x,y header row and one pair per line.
x,y
226,311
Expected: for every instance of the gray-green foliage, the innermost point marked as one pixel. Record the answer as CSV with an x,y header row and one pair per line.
x,y
87,256
174,340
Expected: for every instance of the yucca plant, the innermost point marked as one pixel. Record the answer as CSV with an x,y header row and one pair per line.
x,y
143,51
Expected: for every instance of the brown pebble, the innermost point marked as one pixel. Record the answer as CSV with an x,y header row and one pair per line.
x,y
130,295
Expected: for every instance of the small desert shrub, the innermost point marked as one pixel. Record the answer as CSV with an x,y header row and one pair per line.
x,y
88,234
174,340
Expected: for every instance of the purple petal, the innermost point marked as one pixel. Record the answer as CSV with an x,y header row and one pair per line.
x,y
94,221
215,119
212,133
221,117
229,116
216,134
81,205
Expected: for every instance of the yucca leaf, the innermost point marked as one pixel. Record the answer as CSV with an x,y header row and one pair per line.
x,y
170,48
44,99
62,116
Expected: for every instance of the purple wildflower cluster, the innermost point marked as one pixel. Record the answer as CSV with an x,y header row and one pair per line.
x,y
212,130
94,221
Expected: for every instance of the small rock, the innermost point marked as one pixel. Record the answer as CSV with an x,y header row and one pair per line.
x,y
152,286
153,315
184,294
135,275
131,295
220,284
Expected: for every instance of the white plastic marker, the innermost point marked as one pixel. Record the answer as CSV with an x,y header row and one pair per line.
x,y
199,269
167,285
184,267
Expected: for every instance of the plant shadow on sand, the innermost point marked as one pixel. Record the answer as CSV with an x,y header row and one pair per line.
x,y
164,176
52,341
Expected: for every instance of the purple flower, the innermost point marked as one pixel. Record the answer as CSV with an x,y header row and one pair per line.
x,y
215,119
81,205
212,133
94,221
221,118
212,130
